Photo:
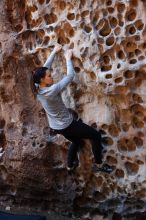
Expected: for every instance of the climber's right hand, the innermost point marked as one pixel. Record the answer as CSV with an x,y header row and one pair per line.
x,y
68,54
57,48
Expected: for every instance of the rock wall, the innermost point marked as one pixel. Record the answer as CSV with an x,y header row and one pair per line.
x,y
108,38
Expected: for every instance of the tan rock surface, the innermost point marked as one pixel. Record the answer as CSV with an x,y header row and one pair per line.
x,y
108,38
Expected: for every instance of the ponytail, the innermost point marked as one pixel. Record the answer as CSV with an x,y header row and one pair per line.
x,y
35,79
33,86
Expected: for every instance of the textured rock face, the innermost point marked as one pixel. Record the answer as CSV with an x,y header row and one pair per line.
x,y
108,38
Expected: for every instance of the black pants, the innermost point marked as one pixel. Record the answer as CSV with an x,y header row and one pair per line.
x,y
76,131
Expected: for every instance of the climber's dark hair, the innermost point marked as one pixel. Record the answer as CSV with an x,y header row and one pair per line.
x,y
35,79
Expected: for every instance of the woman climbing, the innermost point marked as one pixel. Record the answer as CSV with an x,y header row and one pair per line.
x,y
60,118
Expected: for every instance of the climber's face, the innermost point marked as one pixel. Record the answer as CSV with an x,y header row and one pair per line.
x,y
47,79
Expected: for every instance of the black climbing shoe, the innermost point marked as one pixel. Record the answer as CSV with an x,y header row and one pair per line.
x,y
75,165
102,168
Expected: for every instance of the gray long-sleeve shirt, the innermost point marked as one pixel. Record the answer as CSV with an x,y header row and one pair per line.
x,y
50,97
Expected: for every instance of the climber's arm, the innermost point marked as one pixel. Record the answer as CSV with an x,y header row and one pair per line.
x,y
50,59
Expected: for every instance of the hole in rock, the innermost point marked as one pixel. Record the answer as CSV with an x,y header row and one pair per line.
x,y
84,13
113,130
94,42
50,18
139,25
82,3
2,138
78,93
110,41
82,25
131,55
131,46
118,66
119,173
33,144
120,7
105,59
106,68
138,141
113,22
39,36
107,141
139,162
132,168
110,10
140,114
144,32
121,89
104,126
117,31
63,40
144,45
108,76
131,15
133,61
19,27
109,2
129,74
136,107
119,79
41,2
125,127
71,46
121,144
100,40
71,33
140,74
111,160
141,58
125,144
36,22
105,12
41,145
2,123
137,37
140,134
33,8
46,40
27,35
106,30
121,23
99,181
92,75
137,98
136,122
132,30
137,52
121,55
71,16
47,1
24,131
102,132
85,52
77,69
103,84
62,5
95,18
94,125
100,24
87,28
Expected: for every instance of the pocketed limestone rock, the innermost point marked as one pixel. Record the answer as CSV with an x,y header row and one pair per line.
x,y
108,39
